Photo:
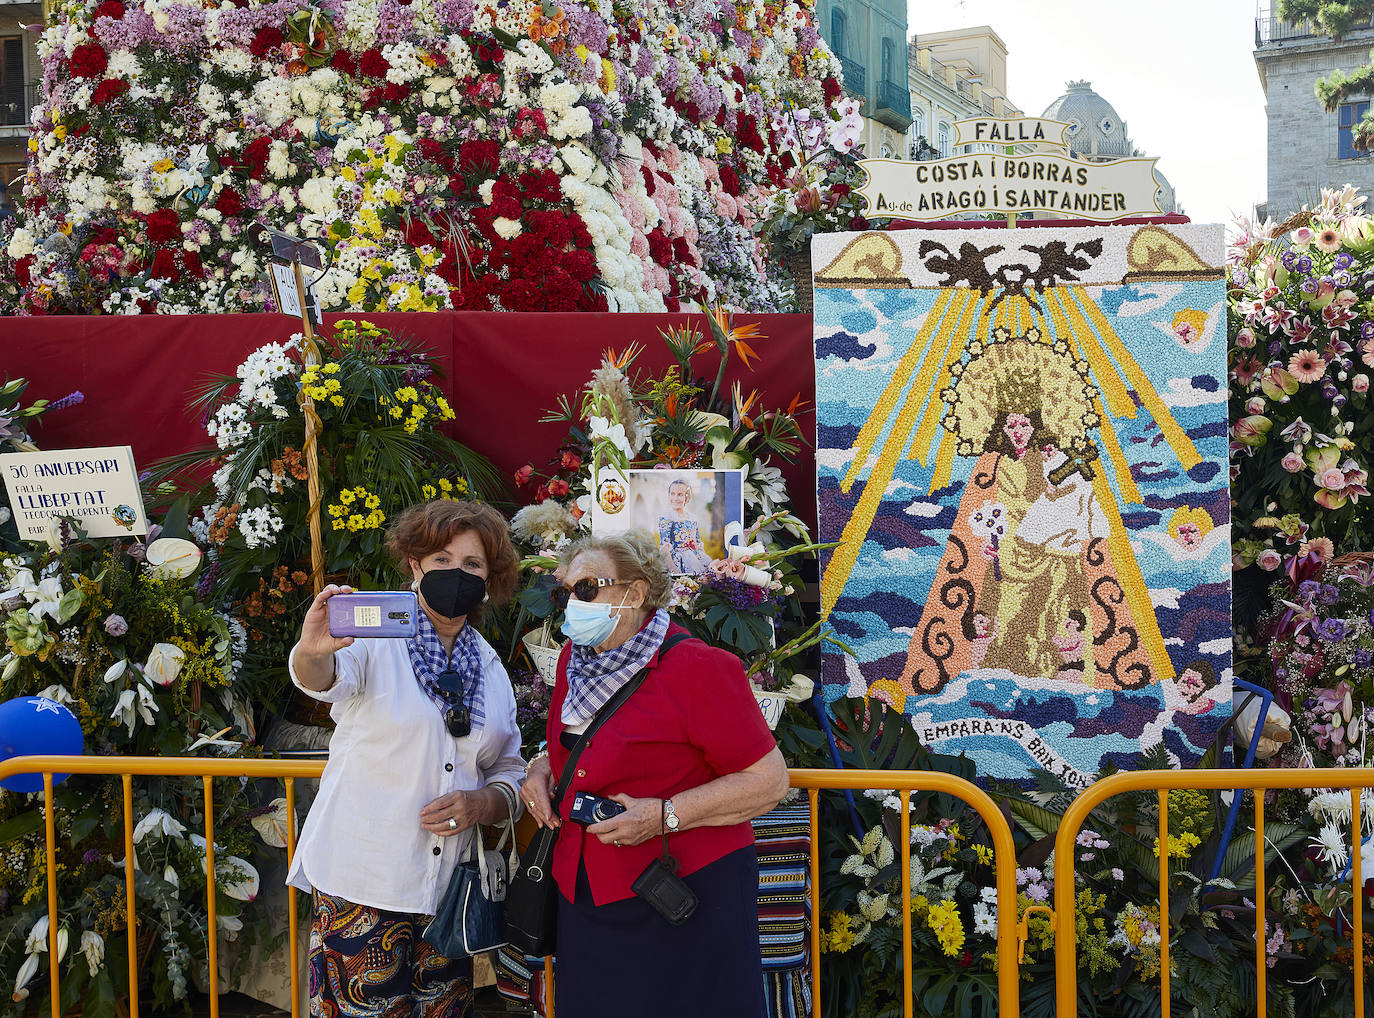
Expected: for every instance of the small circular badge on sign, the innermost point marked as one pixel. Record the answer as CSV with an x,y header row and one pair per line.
x,y
610,495
124,516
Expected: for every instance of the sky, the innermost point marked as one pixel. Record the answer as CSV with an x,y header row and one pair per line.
x,y
1181,73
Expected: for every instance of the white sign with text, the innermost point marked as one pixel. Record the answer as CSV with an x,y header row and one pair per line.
x,y
1020,131
97,487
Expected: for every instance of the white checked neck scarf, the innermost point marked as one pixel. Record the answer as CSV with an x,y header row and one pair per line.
x,y
428,658
594,678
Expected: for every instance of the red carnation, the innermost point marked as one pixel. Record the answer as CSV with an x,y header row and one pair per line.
x,y
649,184
165,267
479,156
373,64
660,247
108,89
729,180
109,9
580,265
193,266
21,270
682,252
507,208
394,92
164,227
672,303
89,60
858,223
541,185
255,156
830,87
266,41
229,202
580,236
432,150
343,62
840,189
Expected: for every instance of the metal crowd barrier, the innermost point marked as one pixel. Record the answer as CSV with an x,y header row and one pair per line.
x,y
1162,782
289,771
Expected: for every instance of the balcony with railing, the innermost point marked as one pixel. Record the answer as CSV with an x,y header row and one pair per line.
x,y
855,77
1271,30
16,108
893,107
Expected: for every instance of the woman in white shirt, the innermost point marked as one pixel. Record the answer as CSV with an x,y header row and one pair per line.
x,y
425,737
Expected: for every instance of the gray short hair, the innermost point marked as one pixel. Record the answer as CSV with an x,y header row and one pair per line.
x,y
636,555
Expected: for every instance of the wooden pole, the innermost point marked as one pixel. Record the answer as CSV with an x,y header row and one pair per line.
x,y
310,354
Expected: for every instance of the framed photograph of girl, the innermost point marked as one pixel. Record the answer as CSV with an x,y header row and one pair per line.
x,y
688,510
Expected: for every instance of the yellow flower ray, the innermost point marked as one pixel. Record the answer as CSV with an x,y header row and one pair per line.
x,y
868,434
944,463
1117,396
925,433
1178,439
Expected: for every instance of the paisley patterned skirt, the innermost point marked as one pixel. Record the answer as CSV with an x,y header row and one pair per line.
x,y
369,963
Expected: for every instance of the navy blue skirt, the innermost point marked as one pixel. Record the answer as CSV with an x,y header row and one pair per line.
x,y
625,959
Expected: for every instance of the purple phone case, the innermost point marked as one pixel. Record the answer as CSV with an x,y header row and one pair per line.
x,y
376,613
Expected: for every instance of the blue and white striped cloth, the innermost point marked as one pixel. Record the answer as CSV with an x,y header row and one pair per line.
x,y
594,678
428,659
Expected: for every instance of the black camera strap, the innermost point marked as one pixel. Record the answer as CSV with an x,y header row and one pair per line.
x,y
603,715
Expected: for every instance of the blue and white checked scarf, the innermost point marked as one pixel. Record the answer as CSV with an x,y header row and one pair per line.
x,y
428,659
594,678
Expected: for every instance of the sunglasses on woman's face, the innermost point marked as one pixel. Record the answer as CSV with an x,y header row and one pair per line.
x,y
584,589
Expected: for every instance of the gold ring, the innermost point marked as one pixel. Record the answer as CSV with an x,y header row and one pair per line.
x,y
530,802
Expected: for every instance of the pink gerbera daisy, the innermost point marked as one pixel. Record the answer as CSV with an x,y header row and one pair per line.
x,y
1329,240
1307,366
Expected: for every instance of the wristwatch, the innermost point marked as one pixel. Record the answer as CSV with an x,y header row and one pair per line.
x,y
670,819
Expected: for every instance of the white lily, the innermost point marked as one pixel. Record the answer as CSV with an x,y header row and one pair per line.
x,y
170,875
57,692
116,671
37,939
272,825
164,663
63,937
600,428
21,583
161,822
93,947
172,558
133,704
47,596
26,972
214,740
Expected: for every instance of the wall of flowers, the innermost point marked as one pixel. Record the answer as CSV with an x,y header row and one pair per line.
x,y
574,155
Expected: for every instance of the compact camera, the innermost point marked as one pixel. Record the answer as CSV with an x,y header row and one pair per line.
x,y
377,613
592,809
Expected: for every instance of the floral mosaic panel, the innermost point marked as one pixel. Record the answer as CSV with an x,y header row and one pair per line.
x,y
1022,452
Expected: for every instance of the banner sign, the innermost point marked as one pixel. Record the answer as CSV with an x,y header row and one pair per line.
x,y
1021,131
1014,185
99,487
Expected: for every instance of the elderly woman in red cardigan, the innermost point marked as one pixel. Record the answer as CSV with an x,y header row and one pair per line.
x,y
689,757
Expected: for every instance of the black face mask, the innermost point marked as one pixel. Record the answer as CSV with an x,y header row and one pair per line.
x,y
452,593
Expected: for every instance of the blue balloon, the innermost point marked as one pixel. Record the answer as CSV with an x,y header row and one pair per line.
x,y
37,726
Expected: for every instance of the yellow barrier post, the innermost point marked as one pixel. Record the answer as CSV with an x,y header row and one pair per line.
x,y
1261,941
1163,903
50,824
293,934
130,922
1357,882
813,796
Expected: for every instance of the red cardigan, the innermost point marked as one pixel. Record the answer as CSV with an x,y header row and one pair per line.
x,y
693,720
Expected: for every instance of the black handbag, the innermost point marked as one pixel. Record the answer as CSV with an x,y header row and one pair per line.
x,y
531,911
468,920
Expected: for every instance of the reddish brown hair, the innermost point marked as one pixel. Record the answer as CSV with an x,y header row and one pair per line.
x,y
428,527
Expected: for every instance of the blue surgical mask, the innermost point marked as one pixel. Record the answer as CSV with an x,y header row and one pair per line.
x,y
589,624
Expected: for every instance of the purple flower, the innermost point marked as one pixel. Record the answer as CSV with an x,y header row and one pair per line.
x,y
1328,594
90,856
1308,589
71,399
1305,263
1332,630
1344,260
1367,330
1309,287
1289,259
1037,892
115,625
1361,658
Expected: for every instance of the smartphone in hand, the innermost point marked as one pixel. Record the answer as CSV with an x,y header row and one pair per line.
x,y
375,614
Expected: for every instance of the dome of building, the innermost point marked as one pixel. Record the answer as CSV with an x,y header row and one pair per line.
x,y
1091,119
1165,193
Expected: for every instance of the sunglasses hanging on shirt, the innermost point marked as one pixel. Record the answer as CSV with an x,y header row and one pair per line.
x,y
457,719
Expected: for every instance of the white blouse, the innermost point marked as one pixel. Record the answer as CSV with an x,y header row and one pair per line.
x,y
391,755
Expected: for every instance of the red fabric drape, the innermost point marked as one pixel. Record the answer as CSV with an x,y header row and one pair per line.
x,y
502,371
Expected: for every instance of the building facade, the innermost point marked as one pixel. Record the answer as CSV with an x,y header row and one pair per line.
x,y
19,75
955,75
869,37
1308,148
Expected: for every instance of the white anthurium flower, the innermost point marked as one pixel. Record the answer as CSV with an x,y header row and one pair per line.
x,y
116,671
63,938
235,877
230,925
799,690
53,534
160,822
173,558
93,947
164,664
21,583
272,825
26,972
170,875
37,940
